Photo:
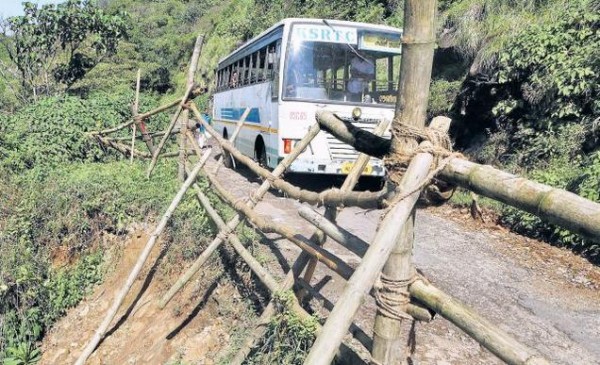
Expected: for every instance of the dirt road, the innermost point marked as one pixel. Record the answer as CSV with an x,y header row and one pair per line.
x,y
546,297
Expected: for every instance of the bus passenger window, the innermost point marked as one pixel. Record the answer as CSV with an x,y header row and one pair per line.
x,y
233,81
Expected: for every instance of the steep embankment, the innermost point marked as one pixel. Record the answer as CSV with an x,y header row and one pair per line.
x,y
192,328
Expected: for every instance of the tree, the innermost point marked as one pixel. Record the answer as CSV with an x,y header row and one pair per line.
x,y
63,41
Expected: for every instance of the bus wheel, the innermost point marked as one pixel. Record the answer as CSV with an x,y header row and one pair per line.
x,y
227,158
260,153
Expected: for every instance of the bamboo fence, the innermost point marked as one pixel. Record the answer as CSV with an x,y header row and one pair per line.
x,y
386,263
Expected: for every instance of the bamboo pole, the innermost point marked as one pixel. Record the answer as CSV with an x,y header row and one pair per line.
x,y
151,135
184,100
235,221
101,331
411,109
331,196
193,94
186,113
359,247
556,206
487,334
185,117
348,185
364,276
337,233
261,273
126,150
269,226
135,108
354,330
168,131
232,139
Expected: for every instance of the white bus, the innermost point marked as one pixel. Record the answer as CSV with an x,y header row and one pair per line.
x,y
297,67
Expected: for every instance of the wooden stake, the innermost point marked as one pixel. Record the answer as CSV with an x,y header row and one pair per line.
x,y
487,334
184,100
126,150
235,221
100,332
135,108
364,276
186,113
411,109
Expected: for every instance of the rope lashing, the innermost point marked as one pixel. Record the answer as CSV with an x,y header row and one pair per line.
x,y
392,296
440,148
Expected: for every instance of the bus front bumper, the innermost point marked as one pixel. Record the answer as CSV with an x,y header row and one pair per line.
x,y
336,167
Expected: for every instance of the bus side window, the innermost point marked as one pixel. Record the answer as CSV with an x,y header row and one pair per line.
x,y
275,57
233,80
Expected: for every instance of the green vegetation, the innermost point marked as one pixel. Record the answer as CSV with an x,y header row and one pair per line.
x,y
61,41
518,78
288,338
53,131
541,112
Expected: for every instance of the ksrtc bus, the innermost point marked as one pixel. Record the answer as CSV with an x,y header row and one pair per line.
x,y
297,67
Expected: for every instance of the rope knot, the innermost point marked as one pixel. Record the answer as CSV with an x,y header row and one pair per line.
x,y
438,145
392,296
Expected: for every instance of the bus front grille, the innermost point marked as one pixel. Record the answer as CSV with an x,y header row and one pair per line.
x,y
342,151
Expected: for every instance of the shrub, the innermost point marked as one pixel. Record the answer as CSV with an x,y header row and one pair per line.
x,y
288,338
44,209
53,131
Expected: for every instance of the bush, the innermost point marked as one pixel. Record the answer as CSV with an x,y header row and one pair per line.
x,y
288,338
53,131
42,210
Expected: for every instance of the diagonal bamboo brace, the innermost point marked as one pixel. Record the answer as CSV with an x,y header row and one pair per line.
x,y
101,331
364,276
235,221
331,210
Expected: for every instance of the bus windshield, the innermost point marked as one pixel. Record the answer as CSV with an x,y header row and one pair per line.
x,y
341,64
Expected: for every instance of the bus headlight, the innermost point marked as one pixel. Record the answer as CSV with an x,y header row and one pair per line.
x,y
356,113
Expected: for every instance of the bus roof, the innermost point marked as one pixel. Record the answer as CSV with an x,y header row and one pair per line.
x,y
288,21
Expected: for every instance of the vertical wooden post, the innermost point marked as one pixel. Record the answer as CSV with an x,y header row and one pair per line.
x,y
185,117
135,110
411,109
186,113
180,107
